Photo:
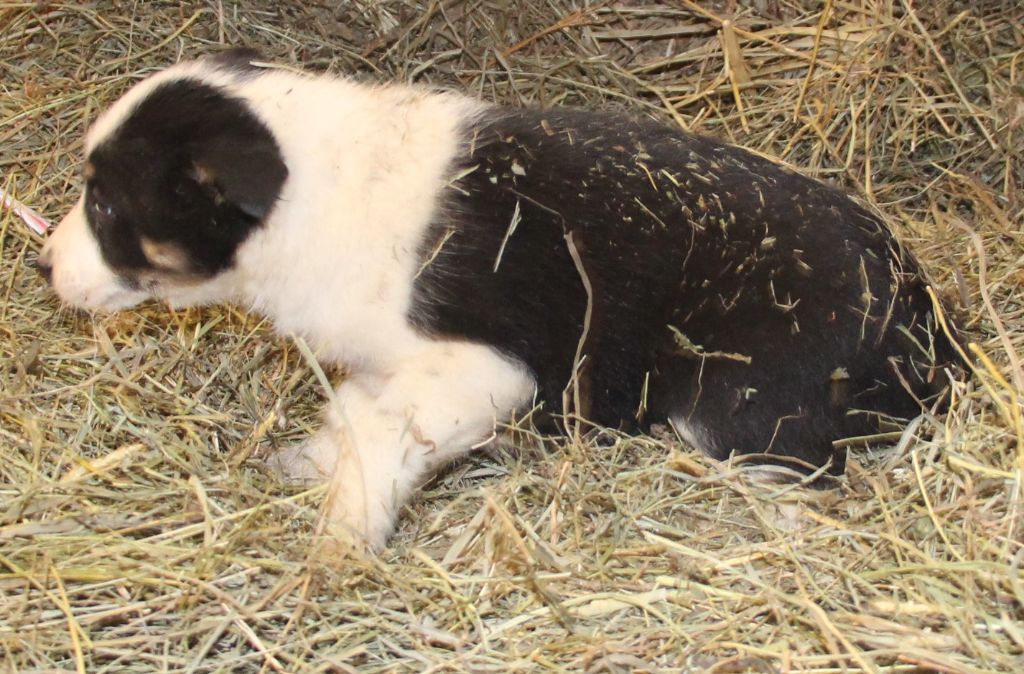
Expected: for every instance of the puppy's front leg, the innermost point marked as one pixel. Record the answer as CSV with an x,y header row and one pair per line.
x,y
390,431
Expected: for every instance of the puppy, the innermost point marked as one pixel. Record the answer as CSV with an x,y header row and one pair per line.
x,y
466,262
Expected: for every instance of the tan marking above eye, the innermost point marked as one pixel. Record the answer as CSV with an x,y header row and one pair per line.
x,y
89,170
164,255
203,173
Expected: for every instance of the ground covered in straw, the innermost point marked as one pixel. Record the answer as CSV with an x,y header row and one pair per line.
x,y
140,531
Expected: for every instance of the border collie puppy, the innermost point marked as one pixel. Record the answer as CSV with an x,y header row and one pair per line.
x,y
465,262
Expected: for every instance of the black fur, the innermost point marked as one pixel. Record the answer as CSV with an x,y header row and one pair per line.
x,y
237,59
189,167
768,310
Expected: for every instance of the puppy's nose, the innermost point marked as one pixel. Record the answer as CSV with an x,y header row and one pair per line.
x,y
44,267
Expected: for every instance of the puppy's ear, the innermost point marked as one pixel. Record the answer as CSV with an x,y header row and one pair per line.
x,y
246,171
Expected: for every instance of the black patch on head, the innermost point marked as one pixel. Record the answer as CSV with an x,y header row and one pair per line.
x,y
191,167
761,306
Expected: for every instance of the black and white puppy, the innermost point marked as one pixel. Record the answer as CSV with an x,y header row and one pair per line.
x,y
465,261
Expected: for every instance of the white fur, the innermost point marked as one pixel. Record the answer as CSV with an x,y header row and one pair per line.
x,y
335,263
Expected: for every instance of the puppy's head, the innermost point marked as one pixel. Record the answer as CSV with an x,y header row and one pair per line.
x,y
177,175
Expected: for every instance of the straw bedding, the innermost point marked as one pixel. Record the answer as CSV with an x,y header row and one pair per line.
x,y
140,530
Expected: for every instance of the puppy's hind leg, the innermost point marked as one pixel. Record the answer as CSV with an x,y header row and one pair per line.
x,y
390,431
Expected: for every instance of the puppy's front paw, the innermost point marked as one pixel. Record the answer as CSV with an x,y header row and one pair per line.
x,y
354,522
310,461
341,539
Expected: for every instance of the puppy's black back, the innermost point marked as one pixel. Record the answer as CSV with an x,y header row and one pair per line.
x,y
762,310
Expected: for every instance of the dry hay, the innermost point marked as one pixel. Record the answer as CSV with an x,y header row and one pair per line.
x,y
139,531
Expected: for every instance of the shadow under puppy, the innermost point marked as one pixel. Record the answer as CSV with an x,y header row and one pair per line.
x,y
464,261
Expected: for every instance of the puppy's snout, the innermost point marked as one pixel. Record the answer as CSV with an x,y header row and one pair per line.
x,y
44,266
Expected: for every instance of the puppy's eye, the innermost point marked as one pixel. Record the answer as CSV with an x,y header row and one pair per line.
x,y
103,208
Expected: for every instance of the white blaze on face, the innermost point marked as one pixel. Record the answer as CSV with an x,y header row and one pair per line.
x,y
80,275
